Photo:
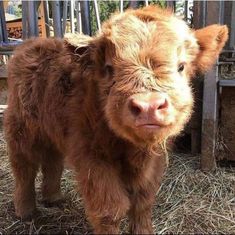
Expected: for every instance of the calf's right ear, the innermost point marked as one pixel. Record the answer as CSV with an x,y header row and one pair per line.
x,y
211,41
78,44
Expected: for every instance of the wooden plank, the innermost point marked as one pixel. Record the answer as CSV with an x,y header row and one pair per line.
x,y
209,120
213,15
3,71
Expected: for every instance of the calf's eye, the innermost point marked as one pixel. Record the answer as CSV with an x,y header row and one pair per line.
x,y
181,67
109,70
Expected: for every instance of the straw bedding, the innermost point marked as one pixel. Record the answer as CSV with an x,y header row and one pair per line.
x,y
189,201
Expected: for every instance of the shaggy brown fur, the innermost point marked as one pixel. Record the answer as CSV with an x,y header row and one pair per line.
x,y
107,105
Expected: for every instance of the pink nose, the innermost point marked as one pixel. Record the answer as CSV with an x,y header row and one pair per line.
x,y
140,107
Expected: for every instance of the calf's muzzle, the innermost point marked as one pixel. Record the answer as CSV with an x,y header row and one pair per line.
x,y
149,110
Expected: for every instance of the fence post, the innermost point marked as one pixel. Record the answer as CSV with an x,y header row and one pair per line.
x,y
210,98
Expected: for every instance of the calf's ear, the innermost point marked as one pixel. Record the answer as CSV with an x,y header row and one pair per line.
x,y
211,41
77,44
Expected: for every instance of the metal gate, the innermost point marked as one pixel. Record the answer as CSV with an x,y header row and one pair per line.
x,y
86,16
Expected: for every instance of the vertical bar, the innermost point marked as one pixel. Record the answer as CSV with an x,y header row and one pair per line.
x,y
56,18
121,6
146,2
3,36
97,14
1,31
25,28
32,19
46,15
85,13
210,100
209,120
65,14
72,16
232,29
133,4
78,15
186,10
170,4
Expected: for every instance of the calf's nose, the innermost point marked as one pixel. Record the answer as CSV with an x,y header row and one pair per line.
x,y
138,107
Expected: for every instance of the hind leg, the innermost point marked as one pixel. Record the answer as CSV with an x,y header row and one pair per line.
x,y
24,196
52,168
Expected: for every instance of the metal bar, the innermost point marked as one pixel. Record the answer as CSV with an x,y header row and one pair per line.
x,y
232,28
171,4
3,36
1,31
72,16
46,15
25,28
121,6
65,14
85,15
133,4
56,18
32,19
97,15
186,10
227,83
78,15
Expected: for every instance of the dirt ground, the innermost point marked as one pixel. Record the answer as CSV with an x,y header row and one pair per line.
x,y
189,201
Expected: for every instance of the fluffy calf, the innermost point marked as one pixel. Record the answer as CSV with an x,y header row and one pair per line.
x,y
107,105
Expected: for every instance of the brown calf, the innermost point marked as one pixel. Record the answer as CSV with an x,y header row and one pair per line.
x,y
107,105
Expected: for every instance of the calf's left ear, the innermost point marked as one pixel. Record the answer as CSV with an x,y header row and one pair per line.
x,y
211,41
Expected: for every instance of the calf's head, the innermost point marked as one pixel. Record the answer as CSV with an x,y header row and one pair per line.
x,y
142,62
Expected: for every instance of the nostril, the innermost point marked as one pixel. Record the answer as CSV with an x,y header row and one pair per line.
x,y
134,108
164,105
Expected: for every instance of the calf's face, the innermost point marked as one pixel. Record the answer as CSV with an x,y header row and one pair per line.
x,y
143,64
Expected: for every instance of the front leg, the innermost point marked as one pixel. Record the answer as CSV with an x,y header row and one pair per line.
x,y
106,201
144,188
141,211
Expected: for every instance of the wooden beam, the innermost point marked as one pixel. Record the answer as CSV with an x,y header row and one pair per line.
x,y
209,120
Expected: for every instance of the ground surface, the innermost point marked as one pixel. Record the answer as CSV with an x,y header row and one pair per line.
x,y
189,202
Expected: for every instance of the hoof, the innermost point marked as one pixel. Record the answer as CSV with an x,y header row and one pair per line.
x,y
56,203
27,217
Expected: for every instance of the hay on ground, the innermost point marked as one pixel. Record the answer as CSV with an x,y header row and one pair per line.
x,y
189,201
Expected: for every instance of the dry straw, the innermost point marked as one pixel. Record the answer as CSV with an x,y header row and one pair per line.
x,y
189,202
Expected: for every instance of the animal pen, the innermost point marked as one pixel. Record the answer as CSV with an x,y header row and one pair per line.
x,y
212,127
190,201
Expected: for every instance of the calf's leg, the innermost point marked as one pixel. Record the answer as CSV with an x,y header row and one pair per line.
x,y
24,173
141,211
105,199
143,198
52,168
